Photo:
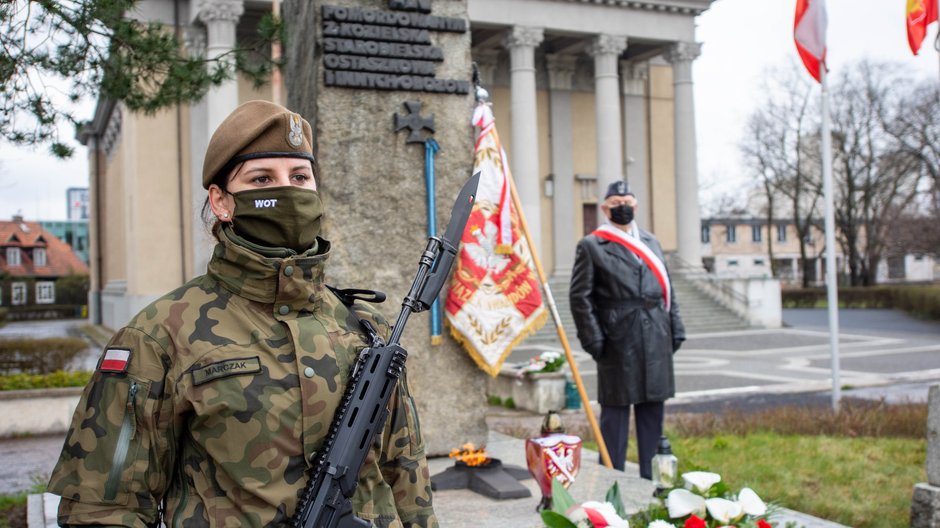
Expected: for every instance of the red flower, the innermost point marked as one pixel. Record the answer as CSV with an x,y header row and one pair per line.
x,y
694,522
763,524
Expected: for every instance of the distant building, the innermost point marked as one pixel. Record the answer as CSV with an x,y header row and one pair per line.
x,y
77,203
738,246
72,232
31,259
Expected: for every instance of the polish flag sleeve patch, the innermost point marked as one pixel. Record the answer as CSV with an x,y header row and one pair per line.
x,y
115,360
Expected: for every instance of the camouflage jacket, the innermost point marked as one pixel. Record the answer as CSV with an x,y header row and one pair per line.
x,y
228,391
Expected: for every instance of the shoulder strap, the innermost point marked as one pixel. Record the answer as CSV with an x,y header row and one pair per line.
x,y
349,296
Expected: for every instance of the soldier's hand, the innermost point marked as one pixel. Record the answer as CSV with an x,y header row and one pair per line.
x,y
676,343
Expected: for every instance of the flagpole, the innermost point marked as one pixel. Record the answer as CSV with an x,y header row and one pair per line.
x,y
832,281
601,445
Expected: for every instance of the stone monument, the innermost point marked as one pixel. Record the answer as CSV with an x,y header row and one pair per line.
x,y
925,507
352,66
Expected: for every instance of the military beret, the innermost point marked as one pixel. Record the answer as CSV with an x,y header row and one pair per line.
x,y
256,129
618,188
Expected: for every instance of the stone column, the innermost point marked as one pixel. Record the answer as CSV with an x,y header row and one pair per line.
x,y
688,218
560,72
925,505
606,50
633,80
524,159
221,18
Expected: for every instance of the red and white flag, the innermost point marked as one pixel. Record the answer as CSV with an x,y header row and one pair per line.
x,y
494,301
809,32
115,360
920,14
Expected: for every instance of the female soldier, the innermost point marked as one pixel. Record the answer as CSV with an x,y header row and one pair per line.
x,y
208,407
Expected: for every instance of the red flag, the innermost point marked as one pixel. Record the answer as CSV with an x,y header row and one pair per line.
x,y
920,13
493,302
809,32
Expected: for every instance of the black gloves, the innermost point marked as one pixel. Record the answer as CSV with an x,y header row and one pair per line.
x,y
595,349
676,343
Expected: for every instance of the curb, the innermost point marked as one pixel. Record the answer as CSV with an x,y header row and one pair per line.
x,y
37,411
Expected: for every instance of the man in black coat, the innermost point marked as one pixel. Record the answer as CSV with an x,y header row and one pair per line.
x,y
628,321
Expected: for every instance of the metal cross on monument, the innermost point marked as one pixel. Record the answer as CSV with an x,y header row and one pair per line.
x,y
415,124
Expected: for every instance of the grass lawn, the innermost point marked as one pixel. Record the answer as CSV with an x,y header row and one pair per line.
x,y
860,482
856,468
13,507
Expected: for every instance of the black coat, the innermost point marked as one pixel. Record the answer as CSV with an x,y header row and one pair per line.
x,y
620,314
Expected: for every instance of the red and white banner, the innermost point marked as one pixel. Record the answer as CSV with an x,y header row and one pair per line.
x,y
920,13
809,33
494,301
643,252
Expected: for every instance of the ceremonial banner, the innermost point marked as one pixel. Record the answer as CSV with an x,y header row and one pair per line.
x,y
809,33
920,13
494,301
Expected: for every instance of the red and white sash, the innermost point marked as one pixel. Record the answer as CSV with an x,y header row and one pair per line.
x,y
643,252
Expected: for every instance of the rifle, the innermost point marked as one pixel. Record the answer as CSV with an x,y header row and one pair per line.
x,y
326,501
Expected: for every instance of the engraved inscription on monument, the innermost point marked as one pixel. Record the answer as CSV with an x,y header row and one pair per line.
x,y
387,49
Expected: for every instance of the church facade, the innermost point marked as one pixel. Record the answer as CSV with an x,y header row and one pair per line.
x,y
584,93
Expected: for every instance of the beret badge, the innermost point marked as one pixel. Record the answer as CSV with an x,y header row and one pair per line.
x,y
295,137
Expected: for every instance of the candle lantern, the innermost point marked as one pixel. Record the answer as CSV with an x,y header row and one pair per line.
x,y
553,456
665,466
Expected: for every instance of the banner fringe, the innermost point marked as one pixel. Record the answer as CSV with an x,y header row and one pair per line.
x,y
493,370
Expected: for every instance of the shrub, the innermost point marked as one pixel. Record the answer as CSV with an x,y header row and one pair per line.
x,y
921,301
53,380
72,289
45,311
39,356
3,316
856,418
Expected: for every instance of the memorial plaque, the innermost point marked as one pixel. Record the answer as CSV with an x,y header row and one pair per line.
x,y
370,58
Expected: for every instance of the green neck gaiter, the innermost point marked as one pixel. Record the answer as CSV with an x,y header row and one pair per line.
x,y
287,217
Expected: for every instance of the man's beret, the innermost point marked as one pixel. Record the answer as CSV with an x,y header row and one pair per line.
x,y
256,129
618,188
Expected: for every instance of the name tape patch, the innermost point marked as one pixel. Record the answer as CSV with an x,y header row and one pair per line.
x,y
115,360
222,369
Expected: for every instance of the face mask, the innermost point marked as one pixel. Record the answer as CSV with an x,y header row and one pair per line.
x,y
287,217
622,214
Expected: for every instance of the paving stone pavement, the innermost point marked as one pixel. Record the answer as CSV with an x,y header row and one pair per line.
x,y
27,461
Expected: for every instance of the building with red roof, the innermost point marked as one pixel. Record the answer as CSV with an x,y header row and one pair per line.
x,y
31,260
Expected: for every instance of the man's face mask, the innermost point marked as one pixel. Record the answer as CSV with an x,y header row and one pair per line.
x,y
622,214
287,217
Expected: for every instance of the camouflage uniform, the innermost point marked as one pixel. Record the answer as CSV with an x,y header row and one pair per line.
x,y
230,389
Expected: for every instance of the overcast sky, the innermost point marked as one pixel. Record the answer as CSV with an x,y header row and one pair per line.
x,y
741,39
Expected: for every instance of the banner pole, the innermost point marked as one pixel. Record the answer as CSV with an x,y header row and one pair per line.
x,y
601,445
